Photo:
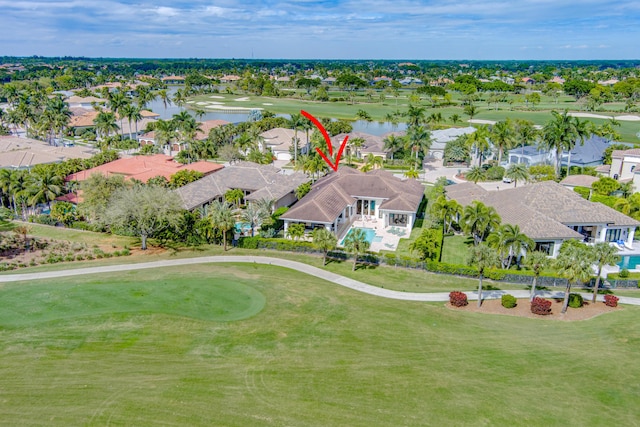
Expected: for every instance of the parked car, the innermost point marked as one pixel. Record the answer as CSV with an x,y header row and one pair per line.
x,y
507,180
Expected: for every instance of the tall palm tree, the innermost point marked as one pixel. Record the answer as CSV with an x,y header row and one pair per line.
x,y
480,141
603,254
105,123
502,137
325,240
296,122
393,143
446,211
133,114
164,97
516,241
356,243
117,102
537,261
483,257
418,139
415,115
574,264
223,218
479,220
517,172
561,133
164,131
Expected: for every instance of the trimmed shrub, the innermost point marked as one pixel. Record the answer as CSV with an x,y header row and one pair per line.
x,y
624,273
509,301
541,306
575,300
611,300
458,299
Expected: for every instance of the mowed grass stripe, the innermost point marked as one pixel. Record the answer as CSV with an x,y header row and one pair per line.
x,y
316,355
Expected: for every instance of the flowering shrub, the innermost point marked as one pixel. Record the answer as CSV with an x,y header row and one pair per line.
x,y
458,299
541,306
509,301
611,300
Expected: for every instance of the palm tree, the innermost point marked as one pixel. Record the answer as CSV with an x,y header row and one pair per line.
x,y
325,240
234,196
516,242
475,174
222,216
483,257
372,162
517,171
444,210
479,220
412,173
133,115
117,102
536,261
356,243
415,115
574,264
393,144
296,122
254,215
164,97
165,132
502,136
45,187
105,123
561,133
480,141
603,254
418,139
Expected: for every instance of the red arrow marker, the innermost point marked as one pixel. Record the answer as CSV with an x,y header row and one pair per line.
x,y
324,133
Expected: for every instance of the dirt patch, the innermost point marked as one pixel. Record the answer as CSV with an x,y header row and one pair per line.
x,y
523,309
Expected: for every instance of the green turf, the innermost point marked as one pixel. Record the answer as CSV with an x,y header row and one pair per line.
x,y
317,354
456,249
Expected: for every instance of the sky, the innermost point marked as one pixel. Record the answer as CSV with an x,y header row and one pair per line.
x,y
324,29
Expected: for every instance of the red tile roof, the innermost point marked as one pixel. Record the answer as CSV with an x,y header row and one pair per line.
x,y
144,168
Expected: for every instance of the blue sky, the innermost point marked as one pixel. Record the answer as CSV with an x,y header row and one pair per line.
x,y
352,29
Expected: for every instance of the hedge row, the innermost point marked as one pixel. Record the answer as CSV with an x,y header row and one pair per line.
x,y
521,276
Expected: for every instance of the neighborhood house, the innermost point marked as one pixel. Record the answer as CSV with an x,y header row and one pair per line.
x,y
339,198
550,213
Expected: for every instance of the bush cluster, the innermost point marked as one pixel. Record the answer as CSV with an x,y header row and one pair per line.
x,y
575,300
541,306
509,301
458,299
611,300
624,273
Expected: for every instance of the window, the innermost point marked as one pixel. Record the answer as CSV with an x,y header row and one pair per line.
x,y
613,234
546,247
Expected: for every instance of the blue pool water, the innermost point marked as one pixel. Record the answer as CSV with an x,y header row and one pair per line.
x,y
242,226
369,233
630,262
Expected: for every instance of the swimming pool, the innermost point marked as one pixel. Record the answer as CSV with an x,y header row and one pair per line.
x,y
243,227
630,262
370,235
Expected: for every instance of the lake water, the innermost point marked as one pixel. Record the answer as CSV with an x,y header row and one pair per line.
x,y
372,128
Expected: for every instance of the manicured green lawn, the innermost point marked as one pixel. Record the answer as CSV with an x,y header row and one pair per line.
x,y
314,354
456,249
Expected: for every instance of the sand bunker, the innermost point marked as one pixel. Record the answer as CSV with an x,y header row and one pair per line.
x,y
626,117
216,97
241,99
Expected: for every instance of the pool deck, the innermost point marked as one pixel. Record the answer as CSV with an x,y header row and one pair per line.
x,y
390,235
623,251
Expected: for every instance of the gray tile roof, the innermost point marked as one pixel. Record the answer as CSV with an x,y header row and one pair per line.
x,y
331,194
263,181
542,210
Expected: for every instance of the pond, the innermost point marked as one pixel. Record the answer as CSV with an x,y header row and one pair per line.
x,y
372,128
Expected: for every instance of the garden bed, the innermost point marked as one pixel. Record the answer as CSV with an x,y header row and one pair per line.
x,y
523,309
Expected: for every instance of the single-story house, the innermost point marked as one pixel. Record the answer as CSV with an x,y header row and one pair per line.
x,y
144,168
573,181
338,198
373,144
149,138
257,181
550,213
23,153
84,102
280,141
440,137
587,154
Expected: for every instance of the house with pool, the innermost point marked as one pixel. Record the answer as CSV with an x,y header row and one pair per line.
x,y
550,213
385,205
